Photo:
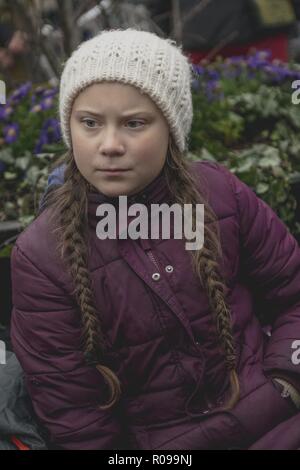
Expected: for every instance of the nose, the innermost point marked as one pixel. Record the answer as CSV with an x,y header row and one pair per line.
x,y
110,142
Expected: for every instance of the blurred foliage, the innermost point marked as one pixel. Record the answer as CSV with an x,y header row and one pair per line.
x,y
30,139
245,119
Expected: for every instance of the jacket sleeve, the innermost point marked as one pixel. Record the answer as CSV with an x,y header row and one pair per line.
x,y
45,335
270,257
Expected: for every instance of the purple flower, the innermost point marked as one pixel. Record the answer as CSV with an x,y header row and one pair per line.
x,y
213,75
39,90
50,92
47,99
43,140
52,126
50,134
35,109
259,59
5,112
11,133
198,69
212,87
47,103
258,65
20,92
239,59
278,73
296,75
275,71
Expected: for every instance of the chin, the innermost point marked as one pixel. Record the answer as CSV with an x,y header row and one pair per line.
x,y
110,192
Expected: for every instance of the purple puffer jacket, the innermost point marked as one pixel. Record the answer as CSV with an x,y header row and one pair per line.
x,y
163,344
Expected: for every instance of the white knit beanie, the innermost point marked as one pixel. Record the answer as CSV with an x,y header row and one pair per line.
x,y
154,65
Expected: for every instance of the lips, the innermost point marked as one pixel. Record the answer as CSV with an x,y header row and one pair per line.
x,y
117,173
114,169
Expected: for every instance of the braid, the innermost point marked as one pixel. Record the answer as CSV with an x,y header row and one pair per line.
x,y
70,209
205,262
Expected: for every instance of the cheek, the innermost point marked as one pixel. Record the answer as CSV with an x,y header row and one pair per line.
x,y
153,148
81,147
77,149
79,136
79,140
81,158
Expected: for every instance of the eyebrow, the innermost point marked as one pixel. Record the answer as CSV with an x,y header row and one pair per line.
x,y
99,115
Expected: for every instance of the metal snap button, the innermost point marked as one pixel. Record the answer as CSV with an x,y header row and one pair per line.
x,y
156,276
169,268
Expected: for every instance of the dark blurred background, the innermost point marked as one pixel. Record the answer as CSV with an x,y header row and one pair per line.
x,y
36,35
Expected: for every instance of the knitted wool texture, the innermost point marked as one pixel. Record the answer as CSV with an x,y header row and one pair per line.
x,y
154,65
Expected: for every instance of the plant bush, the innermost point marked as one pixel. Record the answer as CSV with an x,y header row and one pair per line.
x,y
244,118
29,139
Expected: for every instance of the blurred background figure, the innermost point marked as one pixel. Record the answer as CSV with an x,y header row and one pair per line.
x,y
13,49
37,36
233,27
18,61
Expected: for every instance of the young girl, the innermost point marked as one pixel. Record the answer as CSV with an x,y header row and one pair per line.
x,y
140,343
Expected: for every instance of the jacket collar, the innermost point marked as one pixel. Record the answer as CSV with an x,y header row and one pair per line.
x,y
155,192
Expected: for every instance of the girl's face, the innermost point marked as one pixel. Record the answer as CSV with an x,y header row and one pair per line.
x,y
114,126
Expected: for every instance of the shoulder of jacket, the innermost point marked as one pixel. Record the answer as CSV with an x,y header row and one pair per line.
x,y
37,241
210,169
217,179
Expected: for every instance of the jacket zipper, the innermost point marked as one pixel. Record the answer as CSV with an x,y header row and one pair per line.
x,y
208,408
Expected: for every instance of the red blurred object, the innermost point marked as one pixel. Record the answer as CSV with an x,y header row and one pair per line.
x,y
277,45
19,444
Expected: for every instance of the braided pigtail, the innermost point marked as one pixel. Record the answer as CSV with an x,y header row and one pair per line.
x,y
206,262
69,216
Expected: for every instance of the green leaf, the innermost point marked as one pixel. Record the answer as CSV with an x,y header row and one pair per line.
x,y
206,155
6,156
295,178
262,188
9,175
245,166
5,252
32,175
26,220
270,159
23,162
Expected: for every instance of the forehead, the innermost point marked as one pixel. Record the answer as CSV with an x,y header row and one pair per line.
x,y
114,96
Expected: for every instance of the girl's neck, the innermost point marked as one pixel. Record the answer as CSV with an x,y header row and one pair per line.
x,y
149,194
